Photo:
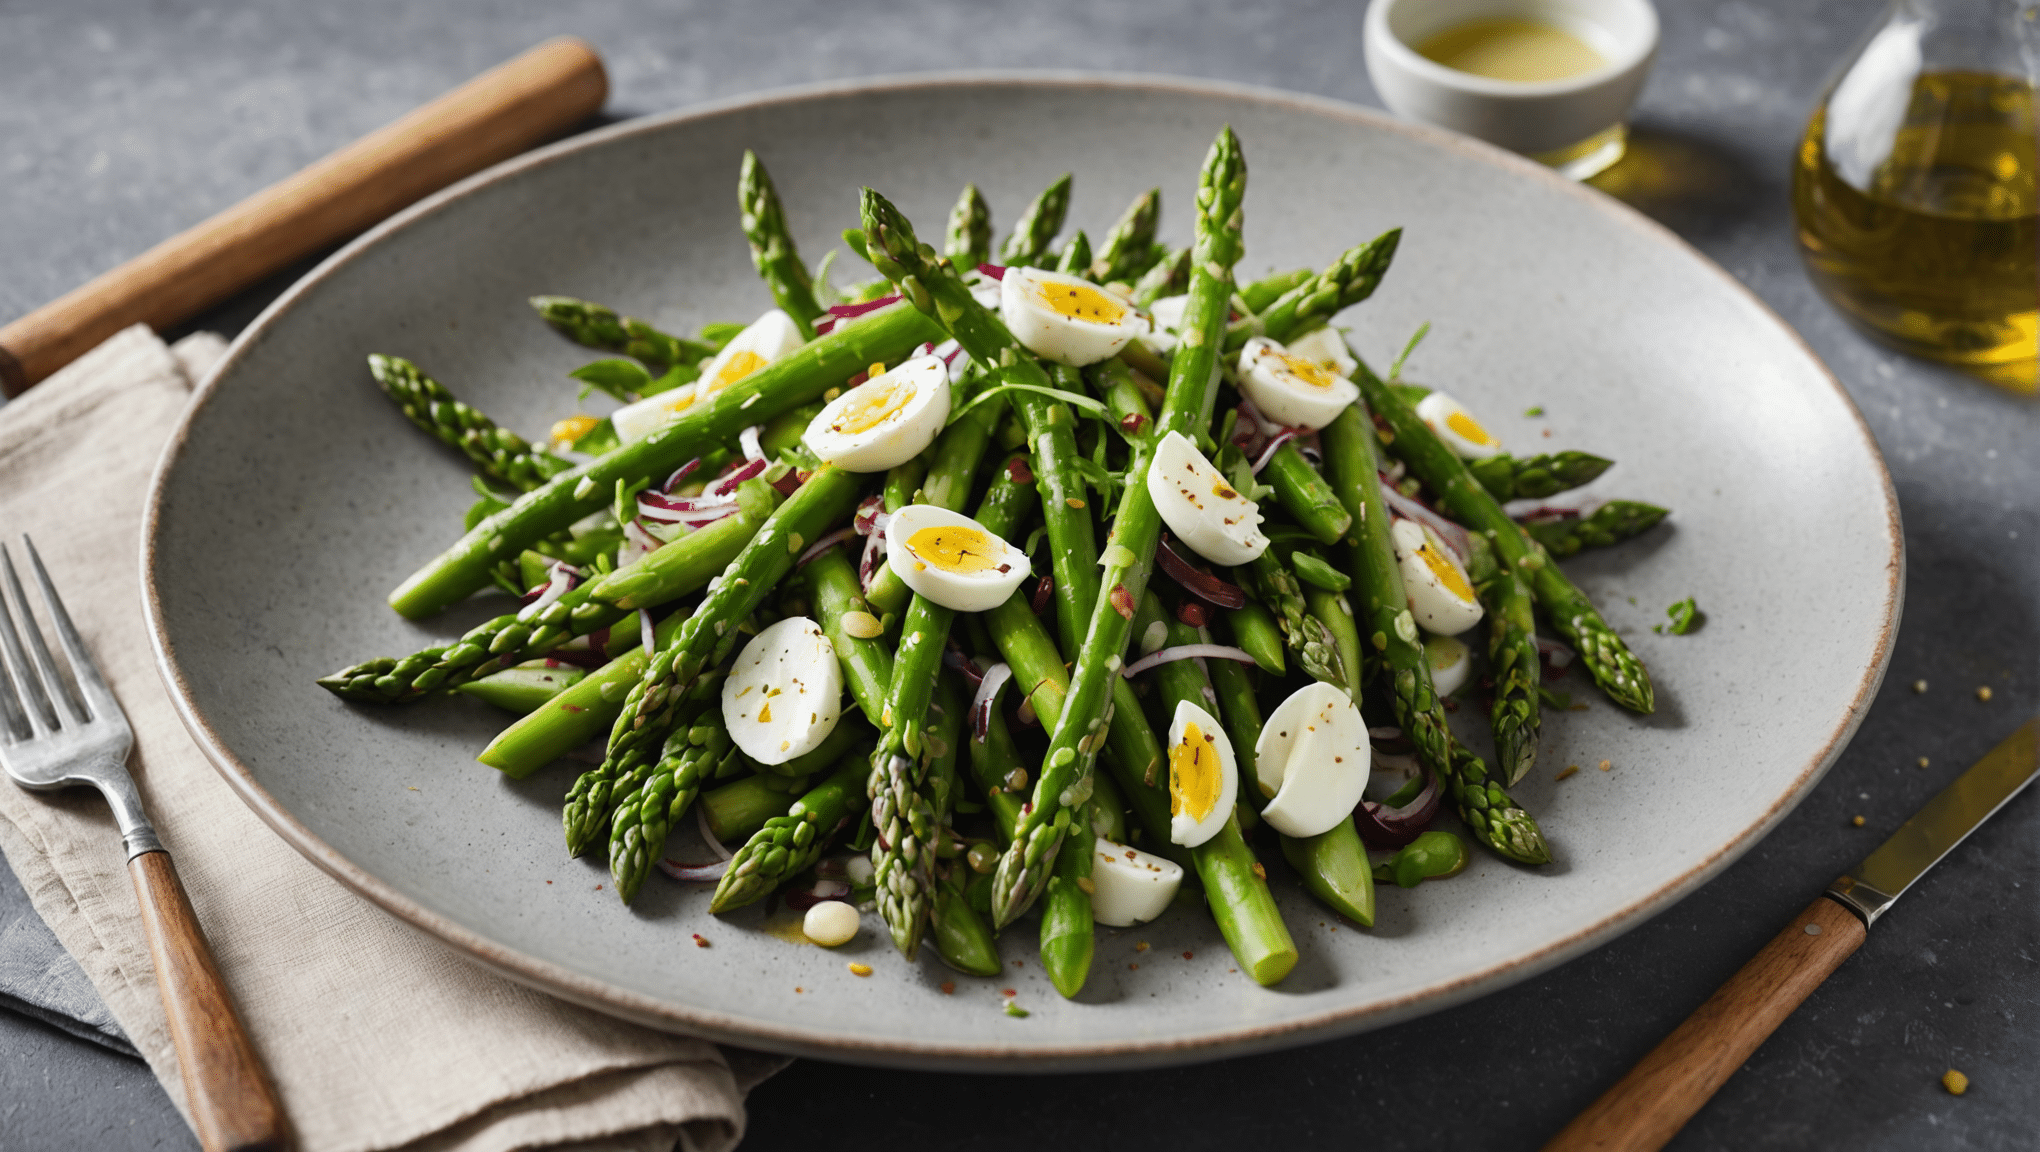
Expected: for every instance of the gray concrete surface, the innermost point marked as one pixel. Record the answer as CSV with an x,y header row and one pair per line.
x,y
121,123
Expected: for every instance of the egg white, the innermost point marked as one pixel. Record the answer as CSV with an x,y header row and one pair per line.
x,y
1466,436
1451,663
784,694
771,337
1186,828
1200,506
979,591
1130,886
1066,318
912,405
1314,755
1291,389
1438,608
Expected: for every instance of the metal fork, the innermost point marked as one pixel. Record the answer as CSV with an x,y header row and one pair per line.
x,y
50,740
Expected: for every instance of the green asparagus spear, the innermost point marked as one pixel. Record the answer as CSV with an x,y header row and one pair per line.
x,y
637,834
1279,591
772,250
683,566
526,688
1335,612
1305,495
1385,620
1069,937
1352,278
593,326
886,334
1611,523
969,243
502,455
1618,672
1075,257
739,809
1129,555
1265,291
1535,477
961,936
789,845
575,716
1029,243
1129,243
1255,632
1169,277
866,659
1512,659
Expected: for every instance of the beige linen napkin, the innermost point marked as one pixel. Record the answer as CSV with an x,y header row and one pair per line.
x,y
378,1037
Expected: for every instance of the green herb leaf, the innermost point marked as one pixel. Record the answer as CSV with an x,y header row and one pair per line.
x,y
1082,403
1686,616
624,379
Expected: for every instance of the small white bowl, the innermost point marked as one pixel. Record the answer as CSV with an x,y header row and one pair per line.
x,y
1530,117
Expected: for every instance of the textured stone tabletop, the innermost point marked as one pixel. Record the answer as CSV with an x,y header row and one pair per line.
x,y
121,124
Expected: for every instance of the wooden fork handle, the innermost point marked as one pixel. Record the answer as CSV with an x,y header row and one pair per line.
x,y
233,1104
1646,1108
498,114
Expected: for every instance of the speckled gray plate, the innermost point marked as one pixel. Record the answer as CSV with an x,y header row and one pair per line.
x,y
295,498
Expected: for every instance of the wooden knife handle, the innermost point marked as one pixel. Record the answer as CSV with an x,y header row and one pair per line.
x,y
1646,1108
498,114
233,1104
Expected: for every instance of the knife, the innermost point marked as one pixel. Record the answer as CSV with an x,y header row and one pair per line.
x,y
1647,1107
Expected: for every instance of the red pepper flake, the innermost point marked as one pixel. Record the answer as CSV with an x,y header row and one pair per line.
x,y
949,987
1190,612
797,990
1122,601
854,381
598,887
700,941
1132,423
1133,967
1008,992
573,708
1187,954
1018,472
548,881
1019,963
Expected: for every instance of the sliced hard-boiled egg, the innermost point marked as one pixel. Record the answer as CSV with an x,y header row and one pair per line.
x,y
1451,663
952,559
1130,886
1313,753
1066,318
771,337
1292,389
983,288
783,695
885,421
1168,312
1441,597
1457,427
1327,349
1204,776
1200,506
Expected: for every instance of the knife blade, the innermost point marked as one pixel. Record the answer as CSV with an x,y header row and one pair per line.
x,y
1869,888
1647,1107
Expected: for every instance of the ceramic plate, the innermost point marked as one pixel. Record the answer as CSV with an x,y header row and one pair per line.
x,y
295,497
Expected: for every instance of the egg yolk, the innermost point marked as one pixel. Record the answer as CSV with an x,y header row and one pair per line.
x,y
872,404
956,548
1194,778
1470,428
737,367
1310,372
1082,302
573,428
1447,573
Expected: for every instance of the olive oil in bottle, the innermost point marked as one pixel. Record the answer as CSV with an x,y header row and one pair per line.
x,y
1922,226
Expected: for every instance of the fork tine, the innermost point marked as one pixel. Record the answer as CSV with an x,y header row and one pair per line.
x,y
63,711
25,693
99,699
13,721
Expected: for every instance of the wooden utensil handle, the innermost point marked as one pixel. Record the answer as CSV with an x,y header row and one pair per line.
x,y
1647,1107
233,1104
496,115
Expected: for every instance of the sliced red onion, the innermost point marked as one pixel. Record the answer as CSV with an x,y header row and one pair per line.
x,y
564,577
728,482
871,516
1195,581
789,481
644,624
694,873
1551,513
1274,444
1383,827
1452,534
981,705
1186,652
748,441
1192,613
1043,589
681,473
824,544
708,837
953,657
845,311
995,271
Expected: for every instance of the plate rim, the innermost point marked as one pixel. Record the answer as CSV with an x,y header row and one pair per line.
x,y
1125,1053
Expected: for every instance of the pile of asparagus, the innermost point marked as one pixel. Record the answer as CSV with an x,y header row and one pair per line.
x,y
971,820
